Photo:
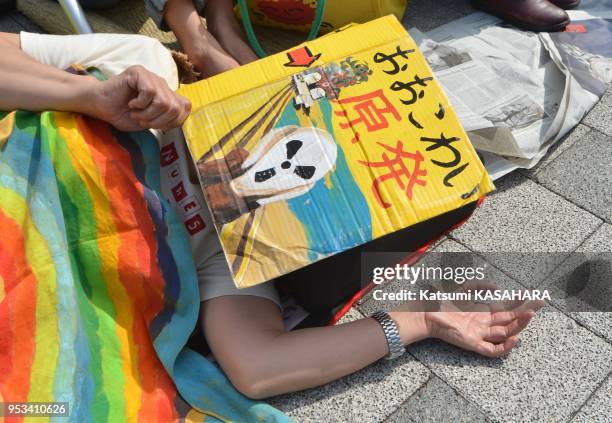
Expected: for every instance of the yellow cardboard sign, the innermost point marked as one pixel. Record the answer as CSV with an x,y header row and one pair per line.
x,y
325,147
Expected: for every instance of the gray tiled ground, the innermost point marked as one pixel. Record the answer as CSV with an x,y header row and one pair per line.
x,y
599,406
562,368
556,150
600,117
366,396
590,188
437,402
534,220
597,296
547,378
600,241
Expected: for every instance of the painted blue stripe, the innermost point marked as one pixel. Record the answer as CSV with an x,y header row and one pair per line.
x,y
334,218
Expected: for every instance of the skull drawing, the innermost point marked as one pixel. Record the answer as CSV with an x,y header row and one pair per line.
x,y
287,163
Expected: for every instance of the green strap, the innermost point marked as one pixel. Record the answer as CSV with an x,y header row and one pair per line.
x,y
248,26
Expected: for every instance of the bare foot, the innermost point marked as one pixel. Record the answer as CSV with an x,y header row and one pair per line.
x,y
210,58
203,50
223,25
231,40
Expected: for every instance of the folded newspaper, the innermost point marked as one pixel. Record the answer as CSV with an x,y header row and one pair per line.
x,y
328,146
517,92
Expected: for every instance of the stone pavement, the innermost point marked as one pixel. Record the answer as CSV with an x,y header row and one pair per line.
x,y
562,369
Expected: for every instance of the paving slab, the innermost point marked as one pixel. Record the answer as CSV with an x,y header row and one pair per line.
x,y
557,149
524,217
547,377
597,295
599,407
583,174
600,241
370,395
600,117
437,402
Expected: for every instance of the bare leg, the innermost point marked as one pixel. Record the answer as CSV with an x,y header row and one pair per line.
x,y
223,25
200,45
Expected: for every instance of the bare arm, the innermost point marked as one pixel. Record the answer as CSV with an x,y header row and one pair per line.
x,y
247,337
27,84
134,100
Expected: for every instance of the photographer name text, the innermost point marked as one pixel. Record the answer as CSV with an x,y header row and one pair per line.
x,y
477,295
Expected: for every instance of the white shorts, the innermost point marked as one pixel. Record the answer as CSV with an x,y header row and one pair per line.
x,y
218,282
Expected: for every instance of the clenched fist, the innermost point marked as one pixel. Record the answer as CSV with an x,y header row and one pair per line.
x,y
136,100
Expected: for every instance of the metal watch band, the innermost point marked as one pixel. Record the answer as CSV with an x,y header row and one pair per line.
x,y
396,348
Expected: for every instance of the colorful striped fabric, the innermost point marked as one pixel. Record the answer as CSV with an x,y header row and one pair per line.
x,y
98,292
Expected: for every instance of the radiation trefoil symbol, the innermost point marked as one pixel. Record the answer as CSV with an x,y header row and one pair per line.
x,y
287,163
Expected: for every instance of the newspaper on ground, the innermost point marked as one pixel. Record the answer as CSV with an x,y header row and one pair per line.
x,y
518,92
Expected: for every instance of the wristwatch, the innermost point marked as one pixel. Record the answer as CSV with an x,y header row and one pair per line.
x,y
396,348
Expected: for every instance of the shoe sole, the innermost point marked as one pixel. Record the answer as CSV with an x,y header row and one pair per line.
x,y
548,28
551,28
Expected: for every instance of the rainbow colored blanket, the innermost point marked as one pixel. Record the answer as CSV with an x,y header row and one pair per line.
x,y
98,292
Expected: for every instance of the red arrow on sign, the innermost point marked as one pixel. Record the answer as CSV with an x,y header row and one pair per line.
x,y
301,57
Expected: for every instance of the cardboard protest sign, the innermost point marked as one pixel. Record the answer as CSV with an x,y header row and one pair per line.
x,y
328,146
